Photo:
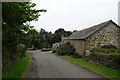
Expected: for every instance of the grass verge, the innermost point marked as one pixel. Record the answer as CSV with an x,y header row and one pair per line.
x,y
106,71
17,70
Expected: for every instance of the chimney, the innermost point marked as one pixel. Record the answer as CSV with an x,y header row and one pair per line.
x,y
62,38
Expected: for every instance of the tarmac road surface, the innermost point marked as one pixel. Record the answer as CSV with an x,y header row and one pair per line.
x,y
48,65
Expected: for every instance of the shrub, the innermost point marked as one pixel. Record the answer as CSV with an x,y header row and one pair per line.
x,y
55,47
66,49
107,55
106,50
107,60
109,46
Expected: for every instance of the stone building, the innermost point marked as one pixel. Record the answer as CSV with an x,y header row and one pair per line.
x,y
102,34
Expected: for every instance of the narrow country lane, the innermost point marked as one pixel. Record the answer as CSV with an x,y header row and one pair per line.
x,y
47,65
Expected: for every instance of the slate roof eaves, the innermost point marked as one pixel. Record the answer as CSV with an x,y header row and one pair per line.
x,y
83,34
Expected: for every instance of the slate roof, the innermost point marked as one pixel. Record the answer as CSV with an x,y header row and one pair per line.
x,y
83,34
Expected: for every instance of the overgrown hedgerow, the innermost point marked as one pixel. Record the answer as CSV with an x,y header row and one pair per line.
x,y
107,55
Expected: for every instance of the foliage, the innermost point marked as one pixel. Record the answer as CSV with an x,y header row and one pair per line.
x,y
107,55
59,33
45,39
16,29
109,72
107,60
55,47
106,50
110,46
66,49
41,39
17,70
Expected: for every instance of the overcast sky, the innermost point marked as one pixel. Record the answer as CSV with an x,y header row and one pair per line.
x,y
74,14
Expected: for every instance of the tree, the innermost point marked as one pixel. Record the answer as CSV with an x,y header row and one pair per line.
x,y
75,31
42,39
16,28
59,33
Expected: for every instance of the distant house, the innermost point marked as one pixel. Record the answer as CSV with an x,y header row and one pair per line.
x,y
102,34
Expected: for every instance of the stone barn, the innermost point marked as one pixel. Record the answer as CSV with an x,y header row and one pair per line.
x,y
102,34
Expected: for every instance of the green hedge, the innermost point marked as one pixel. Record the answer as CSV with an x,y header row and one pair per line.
x,y
109,46
112,61
106,51
107,55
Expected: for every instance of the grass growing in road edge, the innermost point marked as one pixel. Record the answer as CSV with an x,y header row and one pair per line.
x,y
106,71
17,70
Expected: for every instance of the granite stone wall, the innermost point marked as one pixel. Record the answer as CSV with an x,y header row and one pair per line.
x,y
106,36
78,44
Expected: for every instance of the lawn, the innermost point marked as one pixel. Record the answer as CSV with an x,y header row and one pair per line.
x,y
106,71
17,70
